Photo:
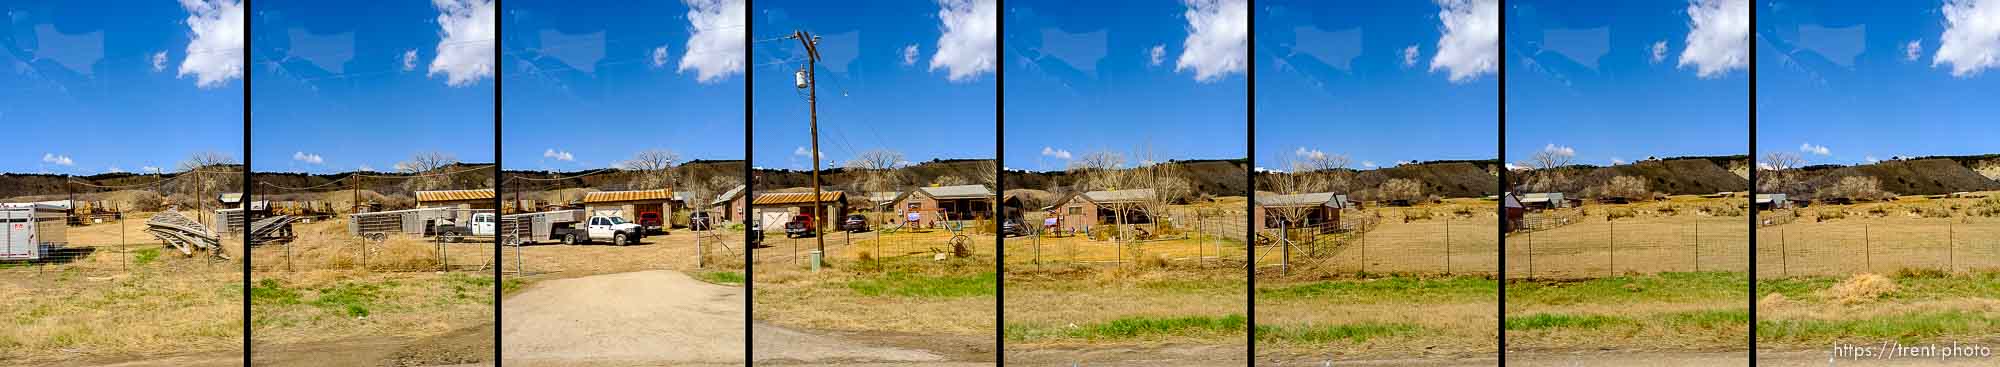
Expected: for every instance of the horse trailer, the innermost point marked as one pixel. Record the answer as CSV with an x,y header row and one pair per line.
x,y
31,232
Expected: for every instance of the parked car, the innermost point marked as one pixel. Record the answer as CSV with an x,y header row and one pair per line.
x,y
800,226
653,222
1013,228
855,223
699,221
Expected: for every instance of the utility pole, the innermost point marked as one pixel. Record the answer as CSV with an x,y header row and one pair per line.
x,y
808,80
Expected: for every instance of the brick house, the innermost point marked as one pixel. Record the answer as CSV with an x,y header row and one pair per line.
x,y
962,202
1320,209
1078,211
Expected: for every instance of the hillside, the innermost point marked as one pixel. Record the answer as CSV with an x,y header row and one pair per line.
x,y
1211,177
1672,176
919,174
1920,176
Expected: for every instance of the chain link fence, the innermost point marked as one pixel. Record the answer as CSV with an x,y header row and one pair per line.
x,y
945,238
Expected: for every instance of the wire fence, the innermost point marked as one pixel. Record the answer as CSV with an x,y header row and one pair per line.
x,y
1383,241
1182,237
942,239
118,246
1893,243
1584,244
333,245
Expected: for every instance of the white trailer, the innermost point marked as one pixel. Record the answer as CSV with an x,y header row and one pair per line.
x,y
420,222
30,232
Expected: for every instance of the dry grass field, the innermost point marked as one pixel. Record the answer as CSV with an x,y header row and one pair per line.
x,y
1667,275
1681,234
904,298
400,298
1177,298
1386,292
1912,270
124,296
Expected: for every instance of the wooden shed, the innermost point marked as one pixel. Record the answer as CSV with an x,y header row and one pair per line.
x,y
632,205
1320,209
460,199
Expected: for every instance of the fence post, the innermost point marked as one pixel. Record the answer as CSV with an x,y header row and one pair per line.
x,y
1867,251
288,257
1447,245
1284,249
1614,245
1950,247
1697,244
1531,255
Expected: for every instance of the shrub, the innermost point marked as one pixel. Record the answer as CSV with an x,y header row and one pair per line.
x,y
1615,213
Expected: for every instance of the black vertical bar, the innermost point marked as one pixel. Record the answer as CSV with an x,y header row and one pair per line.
x,y
1753,192
1000,180
749,259
1250,177
247,187
499,285
1501,206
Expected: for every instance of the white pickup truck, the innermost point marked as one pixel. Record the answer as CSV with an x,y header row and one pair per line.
x,y
611,228
481,226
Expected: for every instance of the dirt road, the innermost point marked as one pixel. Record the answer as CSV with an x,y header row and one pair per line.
x,y
646,317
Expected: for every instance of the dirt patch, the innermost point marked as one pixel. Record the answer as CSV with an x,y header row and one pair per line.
x,y
473,345
625,318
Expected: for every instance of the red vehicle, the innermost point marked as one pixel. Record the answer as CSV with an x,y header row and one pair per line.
x,y
653,222
800,226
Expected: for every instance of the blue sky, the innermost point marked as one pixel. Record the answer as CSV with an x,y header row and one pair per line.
x,y
345,86
1622,81
1845,82
1126,77
912,76
1378,82
587,86
88,88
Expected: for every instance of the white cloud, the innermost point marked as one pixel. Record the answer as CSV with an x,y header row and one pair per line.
x,y
1470,46
1616,161
404,167
1312,154
1913,50
57,159
1218,39
715,51
559,155
1511,167
910,55
1719,38
113,169
1369,164
215,45
409,60
1815,149
366,168
660,56
160,61
149,169
1659,51
802,152
971,30
1410,56
1870,159
465,50
1057,153
307,158
1971,40
1156,55
1560,150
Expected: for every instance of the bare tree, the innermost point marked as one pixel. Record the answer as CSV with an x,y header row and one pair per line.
x,y
425,166
1100,170
880,170
207,174
654,168
1777,172
1547,167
